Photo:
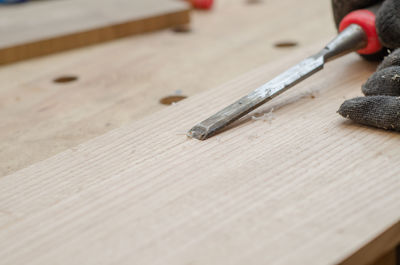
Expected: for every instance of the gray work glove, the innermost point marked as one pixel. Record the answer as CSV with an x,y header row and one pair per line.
x,y
381,106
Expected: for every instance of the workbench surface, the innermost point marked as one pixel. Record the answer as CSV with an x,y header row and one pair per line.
x,y
301,186
123,81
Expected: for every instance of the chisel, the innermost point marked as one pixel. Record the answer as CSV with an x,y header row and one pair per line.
x,y
357,33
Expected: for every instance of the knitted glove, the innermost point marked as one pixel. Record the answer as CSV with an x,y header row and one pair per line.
x,y
381,106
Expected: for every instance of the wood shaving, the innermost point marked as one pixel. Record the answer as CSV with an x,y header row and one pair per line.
x,y
395,77
269,116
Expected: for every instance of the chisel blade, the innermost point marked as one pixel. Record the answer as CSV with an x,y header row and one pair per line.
x,y
351,39
256,98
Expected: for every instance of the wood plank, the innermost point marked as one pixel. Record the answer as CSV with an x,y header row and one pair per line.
x,y
43,27
123,81
388,259
305,188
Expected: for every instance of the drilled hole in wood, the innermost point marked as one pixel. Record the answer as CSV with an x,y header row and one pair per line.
x,y
65,79
185,28
250,2
286,44
171,99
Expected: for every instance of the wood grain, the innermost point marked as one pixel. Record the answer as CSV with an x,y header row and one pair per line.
x,y
120,200
122,81
305,188
43,27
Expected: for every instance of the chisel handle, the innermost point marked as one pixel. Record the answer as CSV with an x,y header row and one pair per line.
x,y
5,2
365,18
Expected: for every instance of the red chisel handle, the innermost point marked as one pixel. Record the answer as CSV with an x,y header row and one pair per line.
x,y
202,4
365,18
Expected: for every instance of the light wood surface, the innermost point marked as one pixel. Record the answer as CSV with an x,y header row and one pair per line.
x,y
305,188
43,27
122,81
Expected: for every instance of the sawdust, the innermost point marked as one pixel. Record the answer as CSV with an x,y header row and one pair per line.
x,y
253,137
395,77
313,94
269,116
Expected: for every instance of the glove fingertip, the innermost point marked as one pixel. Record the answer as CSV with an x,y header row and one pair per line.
x,y
349,108
393,59
385,82
377,111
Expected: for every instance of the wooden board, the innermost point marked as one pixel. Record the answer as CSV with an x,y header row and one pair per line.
x,y
43,27
40,118
390,258
305,188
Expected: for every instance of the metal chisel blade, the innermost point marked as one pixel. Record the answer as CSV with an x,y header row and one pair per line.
x,y
349,40
261,95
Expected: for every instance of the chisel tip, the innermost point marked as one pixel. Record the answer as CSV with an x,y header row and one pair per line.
x,y
198,132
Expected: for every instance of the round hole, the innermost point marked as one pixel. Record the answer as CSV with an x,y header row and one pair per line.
x,y
171,99
185,28
286,44
65,79
250,2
